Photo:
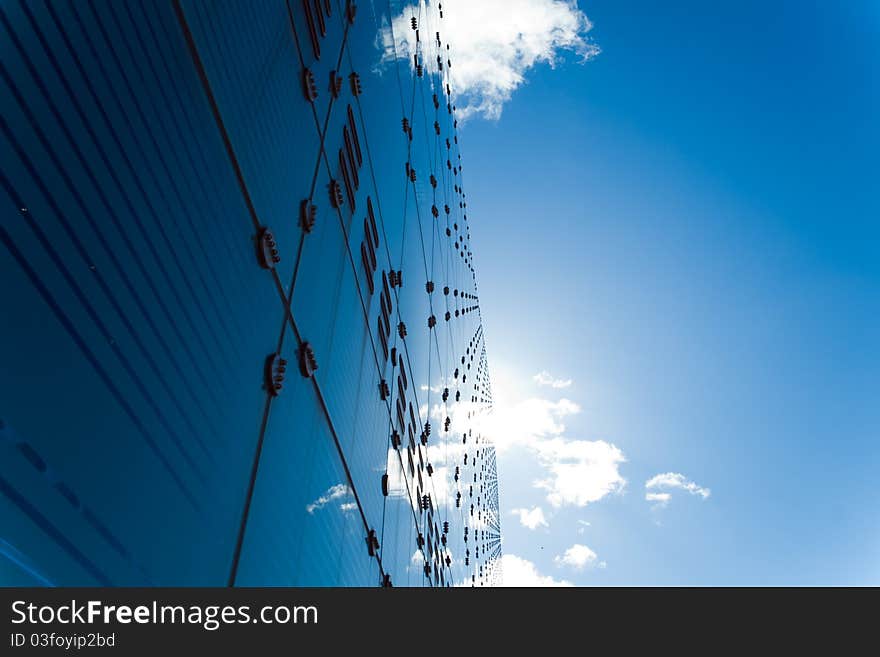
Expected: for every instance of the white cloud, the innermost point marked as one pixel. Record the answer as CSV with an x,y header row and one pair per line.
x,y
335,492
578,557
662,499
446,450
440,486
581,471
525,423
494,44
583,525
396,480
544,378
578,471
671,481
531,519
521,572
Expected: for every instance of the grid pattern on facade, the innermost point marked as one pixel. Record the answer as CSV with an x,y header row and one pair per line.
x,y
242,339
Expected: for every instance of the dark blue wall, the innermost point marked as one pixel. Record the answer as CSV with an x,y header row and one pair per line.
x,y
150,151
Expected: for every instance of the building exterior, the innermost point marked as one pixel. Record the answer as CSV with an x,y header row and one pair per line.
x,y
241,337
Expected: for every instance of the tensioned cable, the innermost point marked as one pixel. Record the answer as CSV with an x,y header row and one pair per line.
x,y
288,318
322,152
428,276
419,215
458,212
448,278
405,349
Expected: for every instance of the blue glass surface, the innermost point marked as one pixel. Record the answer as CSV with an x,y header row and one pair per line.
x,y
147,152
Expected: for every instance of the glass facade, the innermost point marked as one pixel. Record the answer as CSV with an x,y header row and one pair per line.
x,y
241,335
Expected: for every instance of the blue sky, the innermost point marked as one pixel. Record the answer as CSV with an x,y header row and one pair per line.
x,y
691,196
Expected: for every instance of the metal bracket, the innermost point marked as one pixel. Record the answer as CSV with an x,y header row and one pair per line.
x,y
308,363
273,374
267,251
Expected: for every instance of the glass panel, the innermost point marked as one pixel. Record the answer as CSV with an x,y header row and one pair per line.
x,y
135,360
320,28
251,58
304,526
142,319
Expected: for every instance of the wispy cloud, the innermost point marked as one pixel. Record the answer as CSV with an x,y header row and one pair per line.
x,y
494,44
579,557
532,519
583,526
660,498
335,492
671,481
546,379
521,572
